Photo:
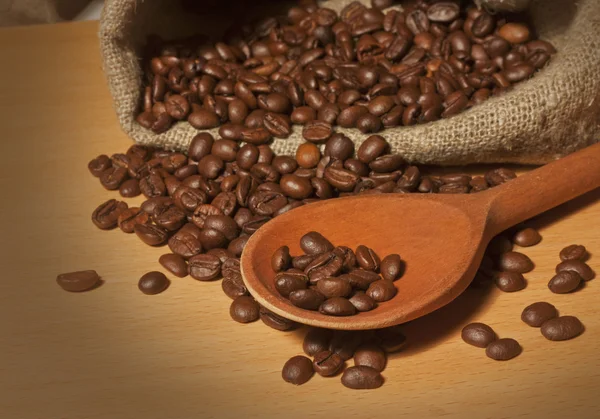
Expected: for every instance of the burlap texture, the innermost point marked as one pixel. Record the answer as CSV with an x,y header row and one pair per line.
x,y
551,115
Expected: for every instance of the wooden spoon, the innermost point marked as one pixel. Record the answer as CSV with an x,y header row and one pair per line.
x,y
442,238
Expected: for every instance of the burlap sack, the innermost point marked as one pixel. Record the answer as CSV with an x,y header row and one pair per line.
x,y
551,115
25,12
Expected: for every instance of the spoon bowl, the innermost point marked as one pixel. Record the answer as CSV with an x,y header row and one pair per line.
x,y
441,238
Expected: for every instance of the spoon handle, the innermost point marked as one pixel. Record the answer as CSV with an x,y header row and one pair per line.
x,y
544,188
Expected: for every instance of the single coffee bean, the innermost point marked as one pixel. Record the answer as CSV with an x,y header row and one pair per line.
x,y
153,283
285,164
362,378
174,264
510,281
204,119
337,306
296,187
562,328
370,355
313,243
78,281
308,155
130,217
536,314
244,309
277,124
106,216
99,165
281,259
391,267
527,237
362,302
113,177
564,282
151,234
327,363
186,242
515,262
316,340
297,370
573,252
339,147
367,258
499,245
478,334
382,290
204,267
334,287
585,272
344,343
153,186
503,349
317,131
275,321
515,33
371,148
361,279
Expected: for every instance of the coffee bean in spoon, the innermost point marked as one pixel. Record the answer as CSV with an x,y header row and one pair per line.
x,y
536,314
391,267
314,243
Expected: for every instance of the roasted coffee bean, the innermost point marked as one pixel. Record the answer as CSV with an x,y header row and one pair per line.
x,y
285,164
222,254
301,262
303,115
478,334
537,314
573,252
382,290
98,165
113,177
327,363
174,264
499,176
317,131
334,287
313,243
211,239
297,370
281,259
224,224
344,343
362,378
288,282
391,339
564,282
78,281
308,155
339,147
370,355
275,321
170,218
244,309
128,219
362,302
226,150
367,258
204,267
277,124
210,166
371,148
237,245
233,286
527,237
342,179
562,328
499,245
325,265
391,267
186,242
153,283
151,234
316,340
503,349
585,272
515,33
106,216
308,299
361,279
510,281
296,187
152,186
515,262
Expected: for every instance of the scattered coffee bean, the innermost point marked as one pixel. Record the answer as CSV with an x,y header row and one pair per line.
x,y
244,309
573,252
298,370
107,214
174,264
527,237
153,283
478,334
585,272
536,314
327,363
503,349
562,328
370,355
316,340
204,267
510,281
362,377
564,282
515,262
78,281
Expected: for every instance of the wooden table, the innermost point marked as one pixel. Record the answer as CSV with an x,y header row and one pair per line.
x,y
116,353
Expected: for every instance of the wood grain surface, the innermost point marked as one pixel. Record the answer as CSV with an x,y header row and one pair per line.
x,y
116,353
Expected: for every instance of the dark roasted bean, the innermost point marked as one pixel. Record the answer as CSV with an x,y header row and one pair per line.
x,y
478,334
537,314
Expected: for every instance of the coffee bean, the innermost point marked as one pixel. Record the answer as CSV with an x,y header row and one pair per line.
x,y
275,321
327,363
370,355
478,334
362,378
443,12
204,119
78,281
308,299
244,309
382,290
204,267
361,279
313,243
186,242
564,282
317,131
519,72
151,234
367,258
585,272
325,265
515,33
296,187
174,264
107,214
499,176
515,262
391,267
573,252
288,282
342,179
281,259
113,177
503,349
277,124
527,237
301,262
153,283
537,314
98,165
510,281
499,245
316,340
308,155
391,339
362,302
130,217
153,186
371,148
297,370
334,287
562,328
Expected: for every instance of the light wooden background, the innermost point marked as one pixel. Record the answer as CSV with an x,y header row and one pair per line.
x,y
116,353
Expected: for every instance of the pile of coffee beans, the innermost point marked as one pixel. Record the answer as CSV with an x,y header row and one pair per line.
x,y
482,336
335,280
368,68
